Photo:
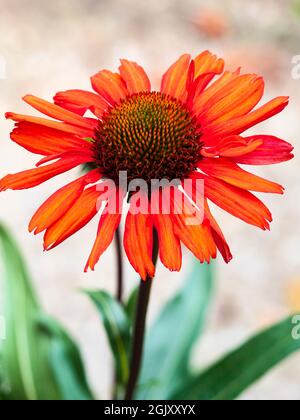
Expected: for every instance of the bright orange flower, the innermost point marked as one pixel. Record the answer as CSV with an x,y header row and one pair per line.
x,y
190,129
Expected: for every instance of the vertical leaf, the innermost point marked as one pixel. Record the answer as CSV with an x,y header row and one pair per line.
x,y
130,306
117,327
39,361
24,352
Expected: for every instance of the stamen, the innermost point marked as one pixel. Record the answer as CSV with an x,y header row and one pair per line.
x,y
149,135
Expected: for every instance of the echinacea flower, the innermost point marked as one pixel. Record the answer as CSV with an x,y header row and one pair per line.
x,y
190,129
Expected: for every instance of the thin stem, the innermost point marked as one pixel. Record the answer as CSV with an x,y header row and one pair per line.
x,y
118,242
139,327
119,292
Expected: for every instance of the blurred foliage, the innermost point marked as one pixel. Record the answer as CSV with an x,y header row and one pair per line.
x,y
296,7
229,377
35,347
167,355
117,326
40,361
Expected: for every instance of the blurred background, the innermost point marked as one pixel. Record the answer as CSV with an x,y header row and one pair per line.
x,y
50,46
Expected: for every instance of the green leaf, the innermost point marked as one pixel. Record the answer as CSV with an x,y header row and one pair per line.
x,y
24,352
130,306
4,392
170,340
228,378
66,363
39,361
117,327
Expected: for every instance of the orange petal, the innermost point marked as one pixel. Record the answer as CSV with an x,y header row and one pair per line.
x,y
202,97
60,202
174,80
138,239
135,77
33,177
106,231
207,66
197,237
231,146
79,101
201,202
238,202
230,172
67,128
85,155
237,98
44,140
57,112
110,86
218,236
206,62
271,150
240,124
82,212
169,244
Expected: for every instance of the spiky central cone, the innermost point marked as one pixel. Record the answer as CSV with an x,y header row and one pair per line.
x,y
149,135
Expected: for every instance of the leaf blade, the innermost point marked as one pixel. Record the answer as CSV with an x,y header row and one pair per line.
x,y
33,354
66,362
24,355
233,374
117,327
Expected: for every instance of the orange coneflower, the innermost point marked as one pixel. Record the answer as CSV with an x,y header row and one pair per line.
x,y
190,129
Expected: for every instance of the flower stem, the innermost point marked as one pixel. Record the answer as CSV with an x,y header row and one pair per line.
x,y
119,293
118,242
140,326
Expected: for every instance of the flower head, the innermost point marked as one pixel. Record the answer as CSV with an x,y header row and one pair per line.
x,y
189,130
151,136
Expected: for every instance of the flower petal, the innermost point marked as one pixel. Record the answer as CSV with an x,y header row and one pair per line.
x,y
60,202
218,236
33,177
106,231
206,62
84,209
110,86
79,101
44,140
174,80
138,240
58,113
135,77
202,97
272,150
169,245
196,237
236,99
238,202
64,127
240,124
207,66
85,156
232,147
199,199
231,173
